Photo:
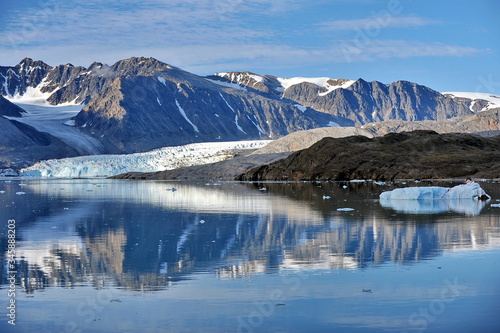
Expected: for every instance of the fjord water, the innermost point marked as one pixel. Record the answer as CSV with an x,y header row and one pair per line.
x,y
135,256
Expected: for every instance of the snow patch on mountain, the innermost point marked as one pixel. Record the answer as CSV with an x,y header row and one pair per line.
x,y
323,82
241,78
227,84
332,124
162,80
493,100
301,107
235,117
287,83
156,160
331,88
183,113
238,125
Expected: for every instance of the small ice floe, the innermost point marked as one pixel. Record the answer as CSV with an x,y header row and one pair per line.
x,y
495,205
2,191
173,189
325,197
262,189
20,193
345,186
345,209
468,199
202,221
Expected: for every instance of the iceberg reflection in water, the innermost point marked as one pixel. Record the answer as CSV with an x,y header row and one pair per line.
x,y
469,207
467,199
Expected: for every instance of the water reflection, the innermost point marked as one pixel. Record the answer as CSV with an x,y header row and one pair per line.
x,y
139,236
471,207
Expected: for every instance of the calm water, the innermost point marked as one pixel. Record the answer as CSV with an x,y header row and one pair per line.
x,y
125,256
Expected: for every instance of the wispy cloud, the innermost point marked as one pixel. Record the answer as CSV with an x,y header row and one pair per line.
x,y
386,21
371,50
198,35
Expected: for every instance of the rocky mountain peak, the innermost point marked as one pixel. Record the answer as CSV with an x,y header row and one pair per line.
x,y
28,64
96,65
139,66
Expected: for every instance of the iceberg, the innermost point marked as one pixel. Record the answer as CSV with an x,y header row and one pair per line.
x,y
467,199
464,191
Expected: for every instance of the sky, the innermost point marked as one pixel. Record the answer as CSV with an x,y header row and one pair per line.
x,y
447,45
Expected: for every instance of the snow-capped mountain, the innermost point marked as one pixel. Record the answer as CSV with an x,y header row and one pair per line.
x,y
139,104
357,102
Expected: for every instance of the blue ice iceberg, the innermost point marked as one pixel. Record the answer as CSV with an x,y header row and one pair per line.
x,y
467,199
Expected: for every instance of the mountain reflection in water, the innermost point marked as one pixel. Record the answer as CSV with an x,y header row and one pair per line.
x,y
141,236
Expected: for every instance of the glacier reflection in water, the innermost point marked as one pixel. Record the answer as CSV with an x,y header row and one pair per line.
x,y
205,257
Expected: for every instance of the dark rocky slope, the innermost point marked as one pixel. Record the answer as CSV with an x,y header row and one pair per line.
x,y
10,109
407,155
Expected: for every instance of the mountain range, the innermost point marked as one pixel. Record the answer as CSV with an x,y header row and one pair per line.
x,y
139,104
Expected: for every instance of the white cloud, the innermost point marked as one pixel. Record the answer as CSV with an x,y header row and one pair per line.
x,y
197,35
372,49
376,22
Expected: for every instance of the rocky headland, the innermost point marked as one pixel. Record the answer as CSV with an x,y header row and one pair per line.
x,y
421,154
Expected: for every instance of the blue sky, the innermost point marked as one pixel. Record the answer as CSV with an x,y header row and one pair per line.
x,y
446,45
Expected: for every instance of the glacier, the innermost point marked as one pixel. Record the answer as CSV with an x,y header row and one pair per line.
x,y
166,158
56,120
467,199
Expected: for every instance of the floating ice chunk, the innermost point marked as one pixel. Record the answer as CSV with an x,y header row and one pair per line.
x,y
495,205
415,193
345,209
464,191
20,193
262,189
466,199
326,197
